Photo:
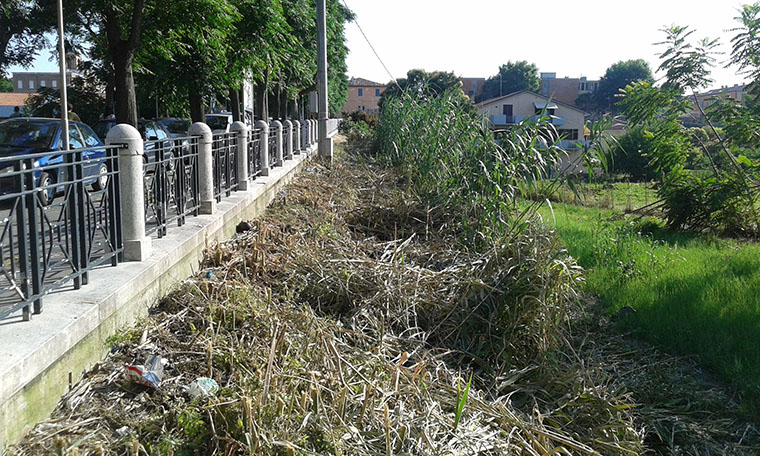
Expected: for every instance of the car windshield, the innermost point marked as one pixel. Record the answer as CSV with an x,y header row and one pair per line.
x,y
33,135
176,126
217,122
101,128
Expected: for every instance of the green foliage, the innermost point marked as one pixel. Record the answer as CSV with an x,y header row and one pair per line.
x,y
512,77
450,158
21,33
686,65
693,295
6,85
82,94
461,400
631,157
725,203
358,127
617,77
421,84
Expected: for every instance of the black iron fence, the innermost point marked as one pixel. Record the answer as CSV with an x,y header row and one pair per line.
x,y
171,181
254,155
224,152
60,212
61,218
273,147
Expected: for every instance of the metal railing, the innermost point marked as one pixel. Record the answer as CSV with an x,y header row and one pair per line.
x,y
171,182
61,212
254,157
273,147
61,219
224,150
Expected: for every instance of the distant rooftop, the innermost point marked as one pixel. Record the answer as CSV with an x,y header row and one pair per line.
x,y
735,88
354,82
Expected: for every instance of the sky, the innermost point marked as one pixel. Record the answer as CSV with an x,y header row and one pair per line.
x,y
572,38
472,38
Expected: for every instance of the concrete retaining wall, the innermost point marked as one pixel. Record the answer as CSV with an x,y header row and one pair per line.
x,y
42,358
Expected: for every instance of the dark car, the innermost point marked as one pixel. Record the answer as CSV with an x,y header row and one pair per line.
x,y
177,128
30,135
153,133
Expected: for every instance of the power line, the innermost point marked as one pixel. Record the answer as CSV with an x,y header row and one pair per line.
x,y
372,47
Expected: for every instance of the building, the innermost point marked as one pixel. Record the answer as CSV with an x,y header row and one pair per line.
x,y
513,108
566,90
363,95
30,82
472,87
694,117
8,101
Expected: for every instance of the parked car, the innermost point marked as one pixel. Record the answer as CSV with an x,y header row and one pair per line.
x,y
219,123
32,135
153,133
177,128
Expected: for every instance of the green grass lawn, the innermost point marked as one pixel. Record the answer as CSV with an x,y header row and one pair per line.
x,y
692,295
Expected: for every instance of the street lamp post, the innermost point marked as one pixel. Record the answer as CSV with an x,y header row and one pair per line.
x,y
62,65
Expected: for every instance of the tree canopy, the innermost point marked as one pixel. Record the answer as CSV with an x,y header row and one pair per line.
x,y
512,77
20,33
186,54
420,83
617,77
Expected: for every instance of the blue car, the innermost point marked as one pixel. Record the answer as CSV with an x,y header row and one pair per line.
x,y
30,135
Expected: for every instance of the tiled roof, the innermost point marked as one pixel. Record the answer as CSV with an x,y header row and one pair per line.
x,y
13,99
361,82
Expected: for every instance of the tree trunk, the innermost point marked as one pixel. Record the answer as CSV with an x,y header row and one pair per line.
x,y
109,107
196,106
124,83
235,104
262,113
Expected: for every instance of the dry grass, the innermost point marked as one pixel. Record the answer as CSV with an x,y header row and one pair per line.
x,y
347,321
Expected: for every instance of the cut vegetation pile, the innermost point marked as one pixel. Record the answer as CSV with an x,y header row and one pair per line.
x,y
349,321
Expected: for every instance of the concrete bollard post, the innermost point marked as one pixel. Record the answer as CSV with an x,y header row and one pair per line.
x,y
241,170
137,245
263,129
296,137
314,131
288,125
304,135
277,126
205,166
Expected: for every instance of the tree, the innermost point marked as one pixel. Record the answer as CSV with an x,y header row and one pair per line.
x,y
511,77
20,33
616,78
6,85
420,83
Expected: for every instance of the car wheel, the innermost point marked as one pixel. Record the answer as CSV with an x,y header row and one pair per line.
x,y
102,180
46,195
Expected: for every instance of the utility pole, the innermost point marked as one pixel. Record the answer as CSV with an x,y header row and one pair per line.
x,y
62,65
324,143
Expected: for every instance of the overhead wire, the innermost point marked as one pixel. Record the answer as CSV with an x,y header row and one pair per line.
x,y
372,47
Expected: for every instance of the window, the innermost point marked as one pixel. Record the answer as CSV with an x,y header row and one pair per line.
x,y
507,110
21,84
42,83
89,138
31,84
361,108
55,83
571,135
377,92
361,92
